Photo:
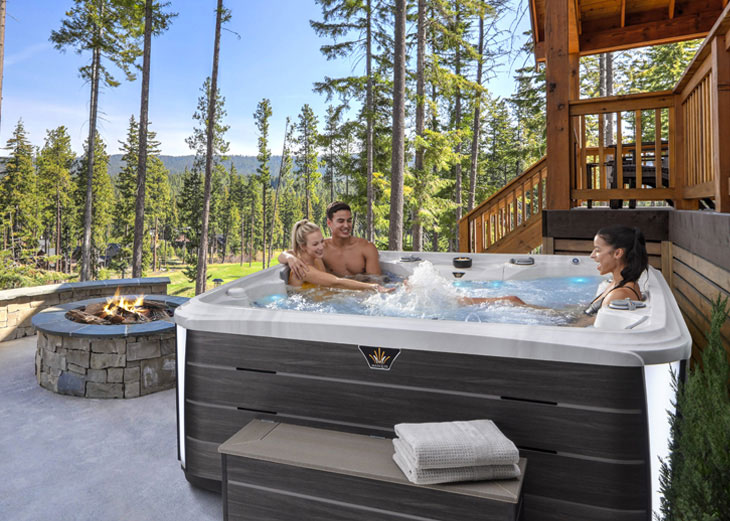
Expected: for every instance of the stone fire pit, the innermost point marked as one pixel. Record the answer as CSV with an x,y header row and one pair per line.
x,y
105,361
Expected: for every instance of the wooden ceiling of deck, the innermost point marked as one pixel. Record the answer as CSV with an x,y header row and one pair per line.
x,y
597,26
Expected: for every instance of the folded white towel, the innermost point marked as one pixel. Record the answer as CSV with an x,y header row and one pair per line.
x,y
456,444
435,476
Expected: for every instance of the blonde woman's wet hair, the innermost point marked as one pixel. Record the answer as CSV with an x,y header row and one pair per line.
x,y
299,234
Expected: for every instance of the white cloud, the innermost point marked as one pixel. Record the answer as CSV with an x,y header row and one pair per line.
x,y
28,52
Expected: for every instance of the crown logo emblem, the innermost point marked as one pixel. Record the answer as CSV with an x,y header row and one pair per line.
x,y
380,358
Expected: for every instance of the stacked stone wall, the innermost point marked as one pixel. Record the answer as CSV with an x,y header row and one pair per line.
x,y
125,367
17,306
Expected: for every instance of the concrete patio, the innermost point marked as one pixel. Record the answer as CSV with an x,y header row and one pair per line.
x,y
68,458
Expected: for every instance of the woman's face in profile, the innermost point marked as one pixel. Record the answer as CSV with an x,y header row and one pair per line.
x,y
605,255
315,244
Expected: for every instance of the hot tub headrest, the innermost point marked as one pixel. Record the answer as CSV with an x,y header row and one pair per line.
x,y
284,274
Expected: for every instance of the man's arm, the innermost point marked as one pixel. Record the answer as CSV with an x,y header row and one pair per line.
x,y
295,264
372,260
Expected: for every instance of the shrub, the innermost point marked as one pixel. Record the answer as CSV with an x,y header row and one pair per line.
x,y
695,480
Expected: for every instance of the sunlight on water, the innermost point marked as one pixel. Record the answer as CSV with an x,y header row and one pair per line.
x,y
428,295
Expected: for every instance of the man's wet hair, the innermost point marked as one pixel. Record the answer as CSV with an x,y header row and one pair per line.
x,y
335,207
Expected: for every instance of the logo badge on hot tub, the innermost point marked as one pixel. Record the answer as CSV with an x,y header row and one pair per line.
x,y
379,357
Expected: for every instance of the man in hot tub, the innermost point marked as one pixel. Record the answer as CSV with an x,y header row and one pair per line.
x,y
344,255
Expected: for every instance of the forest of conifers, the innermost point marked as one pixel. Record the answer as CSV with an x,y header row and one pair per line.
x,y
412,140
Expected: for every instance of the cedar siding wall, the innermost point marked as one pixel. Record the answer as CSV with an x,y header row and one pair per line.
x,y
700,270
691,248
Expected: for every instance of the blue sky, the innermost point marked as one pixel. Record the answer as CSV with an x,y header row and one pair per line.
x,y
277,56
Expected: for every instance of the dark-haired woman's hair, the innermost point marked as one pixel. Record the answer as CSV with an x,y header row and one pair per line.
x,y
631,240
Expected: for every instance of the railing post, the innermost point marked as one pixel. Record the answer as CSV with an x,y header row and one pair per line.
x,y
720,115
560,72
464,235
678,150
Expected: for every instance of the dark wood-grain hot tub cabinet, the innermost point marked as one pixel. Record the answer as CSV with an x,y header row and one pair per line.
x,y
582,427
282,472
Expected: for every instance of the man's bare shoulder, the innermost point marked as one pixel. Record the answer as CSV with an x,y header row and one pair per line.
x,y
362,244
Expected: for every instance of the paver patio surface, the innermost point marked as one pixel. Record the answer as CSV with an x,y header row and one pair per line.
x,y
68,458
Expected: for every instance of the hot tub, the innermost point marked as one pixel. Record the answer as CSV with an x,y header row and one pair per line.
x,y
585,405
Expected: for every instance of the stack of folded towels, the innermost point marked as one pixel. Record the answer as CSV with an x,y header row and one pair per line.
x,y
430,453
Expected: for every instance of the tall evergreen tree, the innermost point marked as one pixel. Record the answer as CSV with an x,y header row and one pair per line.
x,y
102,197
395,235
306,157
20,194
222,15
262,115
356,27
198,142
109,29
155,22
54,171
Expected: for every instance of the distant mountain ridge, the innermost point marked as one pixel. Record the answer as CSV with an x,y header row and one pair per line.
x,y
245,165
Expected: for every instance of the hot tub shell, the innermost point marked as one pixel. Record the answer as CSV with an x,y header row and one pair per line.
x,y
586,406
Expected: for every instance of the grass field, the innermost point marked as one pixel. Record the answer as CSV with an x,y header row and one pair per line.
x,y
182,287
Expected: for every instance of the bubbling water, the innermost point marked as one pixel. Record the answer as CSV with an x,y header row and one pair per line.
x,y
427,294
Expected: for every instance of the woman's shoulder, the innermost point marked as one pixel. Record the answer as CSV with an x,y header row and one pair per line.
x,y
629,290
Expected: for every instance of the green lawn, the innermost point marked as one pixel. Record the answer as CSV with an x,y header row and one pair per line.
x,y
181,286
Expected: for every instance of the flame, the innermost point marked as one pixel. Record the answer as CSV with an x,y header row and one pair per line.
x,y
120,302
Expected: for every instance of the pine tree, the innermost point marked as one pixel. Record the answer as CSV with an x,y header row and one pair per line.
x,y
20,195
102,198
695,481
159,204
54,176
262,115
199,142
306,158
155,22
109,29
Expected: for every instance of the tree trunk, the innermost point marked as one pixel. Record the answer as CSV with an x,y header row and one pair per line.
x,y
284,155
263,224
457,126
58,228
475,127
395,235
142,156
93,107
417,229
252,245
202,268
370,220
243,238
2,51
154,249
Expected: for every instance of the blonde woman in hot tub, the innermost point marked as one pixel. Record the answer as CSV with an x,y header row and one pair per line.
x,y
307,243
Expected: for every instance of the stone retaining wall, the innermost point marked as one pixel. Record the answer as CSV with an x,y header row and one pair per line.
x,y
106,367
17,306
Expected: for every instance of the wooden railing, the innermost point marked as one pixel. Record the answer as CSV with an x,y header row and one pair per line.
x,y
702,101
516,207
668,145
623,147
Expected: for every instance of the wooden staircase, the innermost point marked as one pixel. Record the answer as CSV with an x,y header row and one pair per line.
x,y
510,221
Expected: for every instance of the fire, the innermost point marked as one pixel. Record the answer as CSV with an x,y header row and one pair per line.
x,y
120,302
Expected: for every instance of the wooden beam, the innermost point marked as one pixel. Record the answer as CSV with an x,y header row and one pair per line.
x,y
557,75
699,191
627,102
646,194
720,116
656,32
623,13
671,9
573,28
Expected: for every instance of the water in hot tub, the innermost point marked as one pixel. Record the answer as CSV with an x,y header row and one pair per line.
x,y
428,295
